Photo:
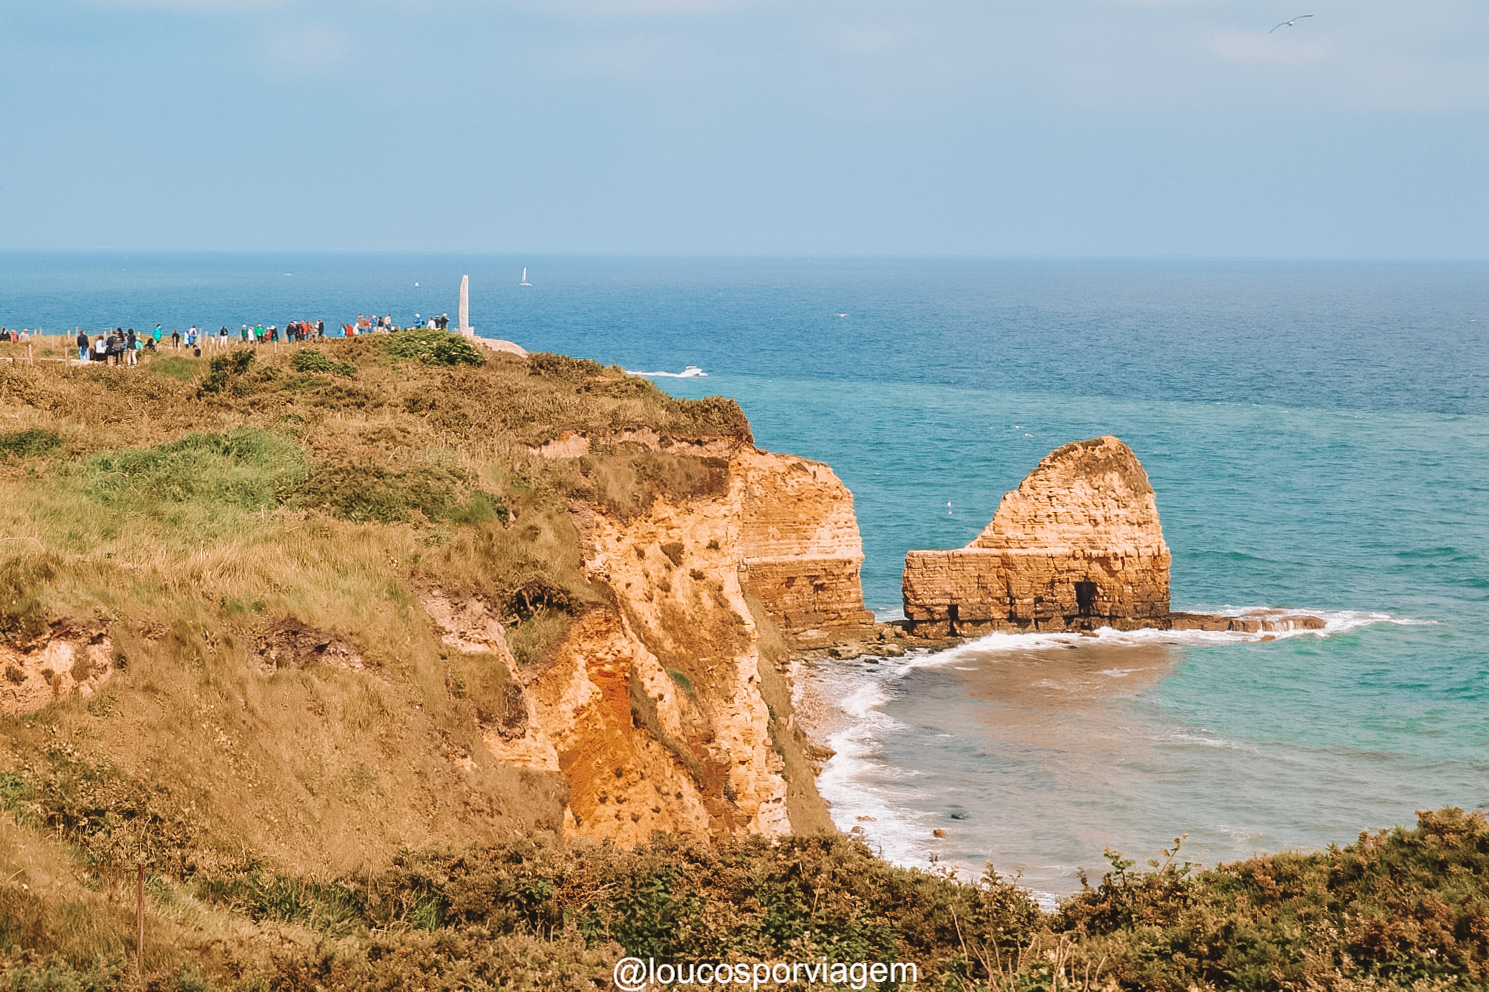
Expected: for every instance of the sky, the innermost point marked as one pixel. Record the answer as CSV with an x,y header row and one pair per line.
x,y
1040,128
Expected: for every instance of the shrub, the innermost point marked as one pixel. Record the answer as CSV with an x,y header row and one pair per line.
x,y
434,348
313,360
225,368
365,492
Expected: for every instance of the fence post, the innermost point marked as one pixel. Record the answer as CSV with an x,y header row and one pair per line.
x,y
139,923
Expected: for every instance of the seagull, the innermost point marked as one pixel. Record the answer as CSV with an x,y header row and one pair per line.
x,y
1288,24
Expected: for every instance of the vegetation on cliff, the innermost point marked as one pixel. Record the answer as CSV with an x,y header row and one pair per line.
x,y
286,742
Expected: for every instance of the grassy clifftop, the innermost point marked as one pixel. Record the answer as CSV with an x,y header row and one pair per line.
x,y
226,520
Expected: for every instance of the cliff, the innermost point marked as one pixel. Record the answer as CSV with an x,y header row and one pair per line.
x,y
660,710
314,606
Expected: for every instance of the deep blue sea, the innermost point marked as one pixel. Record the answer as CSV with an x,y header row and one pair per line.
x,y
1317,434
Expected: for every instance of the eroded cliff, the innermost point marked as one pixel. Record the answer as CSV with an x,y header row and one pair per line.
x,y
660,709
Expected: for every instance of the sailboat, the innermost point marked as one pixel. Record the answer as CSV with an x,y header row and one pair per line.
x,y
524,281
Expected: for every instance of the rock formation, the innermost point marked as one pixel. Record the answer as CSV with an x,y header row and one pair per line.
x,y
799,543
799,550
69,659
661,712
1077,546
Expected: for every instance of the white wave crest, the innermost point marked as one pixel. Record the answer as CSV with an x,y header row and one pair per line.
x,y
691,372
1335,622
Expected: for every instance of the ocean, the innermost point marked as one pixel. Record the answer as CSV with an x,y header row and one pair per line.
x,y
1317,435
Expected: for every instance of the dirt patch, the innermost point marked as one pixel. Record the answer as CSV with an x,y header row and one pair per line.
x,y
291,643
72,658
469,622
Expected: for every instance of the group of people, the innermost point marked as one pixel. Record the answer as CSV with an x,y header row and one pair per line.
x,y
122,346
373,324
295,330
14,336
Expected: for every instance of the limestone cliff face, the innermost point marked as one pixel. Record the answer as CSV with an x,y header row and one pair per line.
x,y
657,711
800,544
1076,546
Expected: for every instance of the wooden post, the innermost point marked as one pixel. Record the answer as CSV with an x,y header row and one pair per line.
x,y
139,923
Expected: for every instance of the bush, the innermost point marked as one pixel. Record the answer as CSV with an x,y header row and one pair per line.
x,y
364,492
434,348
225,368
313,360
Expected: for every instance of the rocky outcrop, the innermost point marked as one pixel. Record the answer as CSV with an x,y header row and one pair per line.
x,y
291,643
69,660
1077,546
659,711
801,551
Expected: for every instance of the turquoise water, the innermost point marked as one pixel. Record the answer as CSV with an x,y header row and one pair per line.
x,y
1318,437
1038,752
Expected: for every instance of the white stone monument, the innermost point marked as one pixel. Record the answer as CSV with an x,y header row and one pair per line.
x,y
469,332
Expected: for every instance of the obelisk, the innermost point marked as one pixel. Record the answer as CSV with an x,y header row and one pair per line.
x,y
465,327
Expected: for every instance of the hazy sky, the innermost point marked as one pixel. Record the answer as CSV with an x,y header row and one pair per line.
x,y
939,127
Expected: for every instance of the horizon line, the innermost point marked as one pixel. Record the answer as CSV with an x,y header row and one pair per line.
x,y
766,256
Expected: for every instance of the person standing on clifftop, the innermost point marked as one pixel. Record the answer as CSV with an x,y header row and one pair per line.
x,y
82,343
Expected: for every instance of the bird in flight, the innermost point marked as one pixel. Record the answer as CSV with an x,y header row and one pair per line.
x,y
1288,24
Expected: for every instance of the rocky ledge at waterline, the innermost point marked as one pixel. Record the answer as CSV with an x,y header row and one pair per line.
x,y
1077,546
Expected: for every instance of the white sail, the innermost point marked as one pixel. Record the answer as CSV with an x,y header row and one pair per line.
x,y
524,278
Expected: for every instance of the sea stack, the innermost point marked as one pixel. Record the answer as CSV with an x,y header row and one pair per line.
x,y
1076,546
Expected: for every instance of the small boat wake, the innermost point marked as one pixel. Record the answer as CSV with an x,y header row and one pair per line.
x,y
691,372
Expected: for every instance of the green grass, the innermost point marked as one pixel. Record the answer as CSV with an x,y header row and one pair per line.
x,y
30,443
245,469
176,367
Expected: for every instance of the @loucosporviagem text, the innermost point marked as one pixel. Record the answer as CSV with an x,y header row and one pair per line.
x,y
634,974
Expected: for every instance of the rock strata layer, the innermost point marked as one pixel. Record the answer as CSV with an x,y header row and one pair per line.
x,y
1076,546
